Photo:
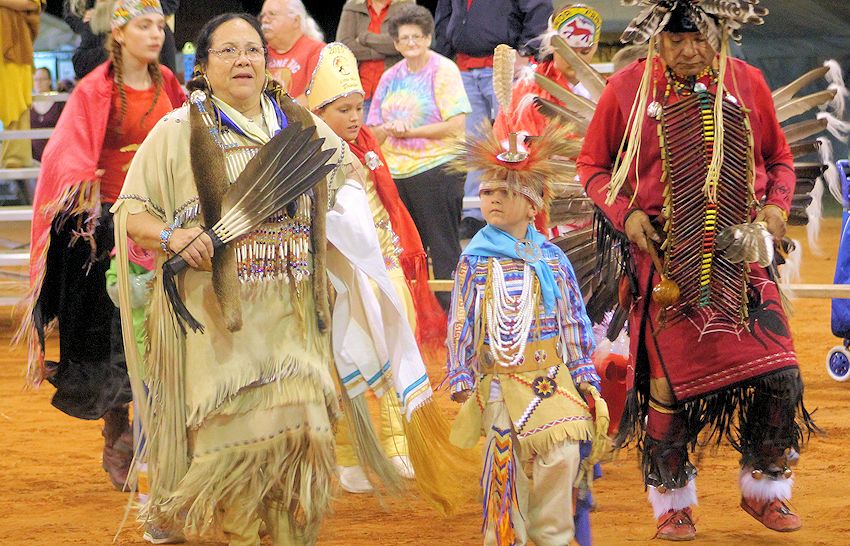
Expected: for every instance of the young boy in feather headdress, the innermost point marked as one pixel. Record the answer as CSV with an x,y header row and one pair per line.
x,y
519,352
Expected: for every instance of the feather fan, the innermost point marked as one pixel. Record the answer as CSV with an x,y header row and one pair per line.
x,y
285,167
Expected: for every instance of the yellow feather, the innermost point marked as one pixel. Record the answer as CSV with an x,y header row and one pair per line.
x,y
504,59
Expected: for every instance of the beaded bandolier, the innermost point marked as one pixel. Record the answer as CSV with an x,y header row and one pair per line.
x,y
697,208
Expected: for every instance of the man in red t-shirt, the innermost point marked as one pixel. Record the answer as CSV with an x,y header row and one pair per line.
x,y
294,40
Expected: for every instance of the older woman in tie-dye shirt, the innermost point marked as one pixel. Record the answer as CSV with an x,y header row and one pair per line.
x,y
418,107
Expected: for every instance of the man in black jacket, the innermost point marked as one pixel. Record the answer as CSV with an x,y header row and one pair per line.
x,y
468,31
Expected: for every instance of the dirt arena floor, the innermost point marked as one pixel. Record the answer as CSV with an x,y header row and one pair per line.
x,y
53,491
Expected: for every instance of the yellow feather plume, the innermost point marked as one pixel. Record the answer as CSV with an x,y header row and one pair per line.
x,y
504,60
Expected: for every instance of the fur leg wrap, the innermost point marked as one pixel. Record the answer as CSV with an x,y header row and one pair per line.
x,y
673,499
766,489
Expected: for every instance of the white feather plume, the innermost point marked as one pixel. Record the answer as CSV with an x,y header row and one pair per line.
x,y
790,270
831,175
836,127
835,78
815,212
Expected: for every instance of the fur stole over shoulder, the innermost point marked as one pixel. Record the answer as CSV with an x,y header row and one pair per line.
x,y
209,169
296,112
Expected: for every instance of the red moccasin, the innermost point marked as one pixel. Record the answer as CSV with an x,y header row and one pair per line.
x,y
774,515
676,525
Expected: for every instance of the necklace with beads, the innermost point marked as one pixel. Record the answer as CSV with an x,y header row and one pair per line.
x,y
509,317
682,87
690,84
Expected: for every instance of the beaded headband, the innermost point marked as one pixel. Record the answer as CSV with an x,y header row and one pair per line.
x,y
127,10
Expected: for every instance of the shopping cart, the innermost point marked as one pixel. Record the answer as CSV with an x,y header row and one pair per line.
x,y
838,359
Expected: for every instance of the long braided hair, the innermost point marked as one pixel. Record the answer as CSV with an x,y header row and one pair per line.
x,y
116,56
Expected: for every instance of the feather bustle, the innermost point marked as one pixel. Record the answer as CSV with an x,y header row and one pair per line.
x,y
802,105
592,80
785,93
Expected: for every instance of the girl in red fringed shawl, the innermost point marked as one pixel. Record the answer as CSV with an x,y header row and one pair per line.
x,y
580,26
83,168
336,95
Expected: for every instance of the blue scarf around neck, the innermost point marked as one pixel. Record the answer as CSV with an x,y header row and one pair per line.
x,y
493,242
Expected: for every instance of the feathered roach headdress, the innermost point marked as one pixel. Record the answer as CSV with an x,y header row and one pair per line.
x,y
530,172
711,18
716,20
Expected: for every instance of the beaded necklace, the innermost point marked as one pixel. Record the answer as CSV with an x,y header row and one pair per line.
x,y
681,86
279,249
689,84
509,317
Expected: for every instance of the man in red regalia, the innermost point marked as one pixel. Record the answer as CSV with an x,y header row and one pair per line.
x,y
686,157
